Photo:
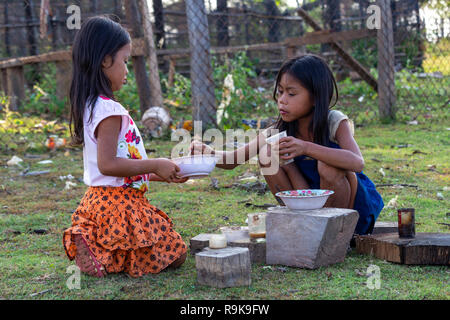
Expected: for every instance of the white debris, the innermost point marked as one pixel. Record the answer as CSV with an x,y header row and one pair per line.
x,y
45,162
440,196
14,161
68,177
228,89
69,185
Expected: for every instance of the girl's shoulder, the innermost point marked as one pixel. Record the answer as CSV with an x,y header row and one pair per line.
x,y
334,119
107,106
103,108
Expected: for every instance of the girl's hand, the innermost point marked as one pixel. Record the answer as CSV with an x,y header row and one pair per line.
x,y
168,170
198,148
180,180
290,147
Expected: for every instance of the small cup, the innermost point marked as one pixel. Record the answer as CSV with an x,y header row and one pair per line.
x,y
406,223
273,140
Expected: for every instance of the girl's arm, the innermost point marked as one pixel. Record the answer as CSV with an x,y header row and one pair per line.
x,y
109,164
347,158
231,159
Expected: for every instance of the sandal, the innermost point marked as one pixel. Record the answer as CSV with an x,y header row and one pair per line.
x,y
86,260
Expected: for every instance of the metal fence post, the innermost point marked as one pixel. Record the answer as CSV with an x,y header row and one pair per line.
x,y
202,83
386,61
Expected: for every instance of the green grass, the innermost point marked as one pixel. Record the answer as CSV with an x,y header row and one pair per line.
x,y
32,263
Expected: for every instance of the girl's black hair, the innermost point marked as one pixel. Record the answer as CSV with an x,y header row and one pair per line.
x,y
98,37
314,75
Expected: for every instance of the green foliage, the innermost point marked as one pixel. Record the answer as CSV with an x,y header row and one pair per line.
x,y
42,99
246,101
128,96
20,134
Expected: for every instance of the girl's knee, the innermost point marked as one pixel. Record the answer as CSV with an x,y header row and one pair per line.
x,y
330,173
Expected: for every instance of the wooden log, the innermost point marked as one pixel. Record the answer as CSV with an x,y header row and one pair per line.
x,y
199,242
222,268
155,84
425,248
326,36
142,80
3,81
171,72
63,79
137,49
256,248
15,86
385,227
308,238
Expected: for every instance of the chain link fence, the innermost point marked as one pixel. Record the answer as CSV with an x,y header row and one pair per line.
x,y
197,39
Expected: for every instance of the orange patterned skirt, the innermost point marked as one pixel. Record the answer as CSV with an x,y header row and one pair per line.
x,y
124,231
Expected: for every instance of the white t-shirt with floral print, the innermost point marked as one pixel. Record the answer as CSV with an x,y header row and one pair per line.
x,y
129,145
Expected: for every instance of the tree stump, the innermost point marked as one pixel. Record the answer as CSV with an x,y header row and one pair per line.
x,y
256,248
222,268
199,242
308,238
385,227
425,248
15,86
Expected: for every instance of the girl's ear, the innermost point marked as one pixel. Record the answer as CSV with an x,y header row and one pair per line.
x,y
107,61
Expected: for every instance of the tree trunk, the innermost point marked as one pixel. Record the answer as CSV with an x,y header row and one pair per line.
x,y
155,85
158,12
142,81
32,40
156,118
7,40
331,13
223,39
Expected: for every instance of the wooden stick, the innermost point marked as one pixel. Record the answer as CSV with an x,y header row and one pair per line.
x,y
352,62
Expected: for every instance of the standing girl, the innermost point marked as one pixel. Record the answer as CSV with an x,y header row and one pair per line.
x,y
319,141
114,228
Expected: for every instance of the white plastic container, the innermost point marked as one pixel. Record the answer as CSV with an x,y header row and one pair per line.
x,y
274,140
217,241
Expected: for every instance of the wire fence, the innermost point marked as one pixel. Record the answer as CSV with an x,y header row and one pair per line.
x,y
191,37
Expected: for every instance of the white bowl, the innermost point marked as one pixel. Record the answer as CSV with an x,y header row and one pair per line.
x,y
307,199
197,166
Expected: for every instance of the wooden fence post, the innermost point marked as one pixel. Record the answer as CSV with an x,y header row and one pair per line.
x,y
15,86
386,61
156,118
202,83
3,82
155,85
142,80
63,79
